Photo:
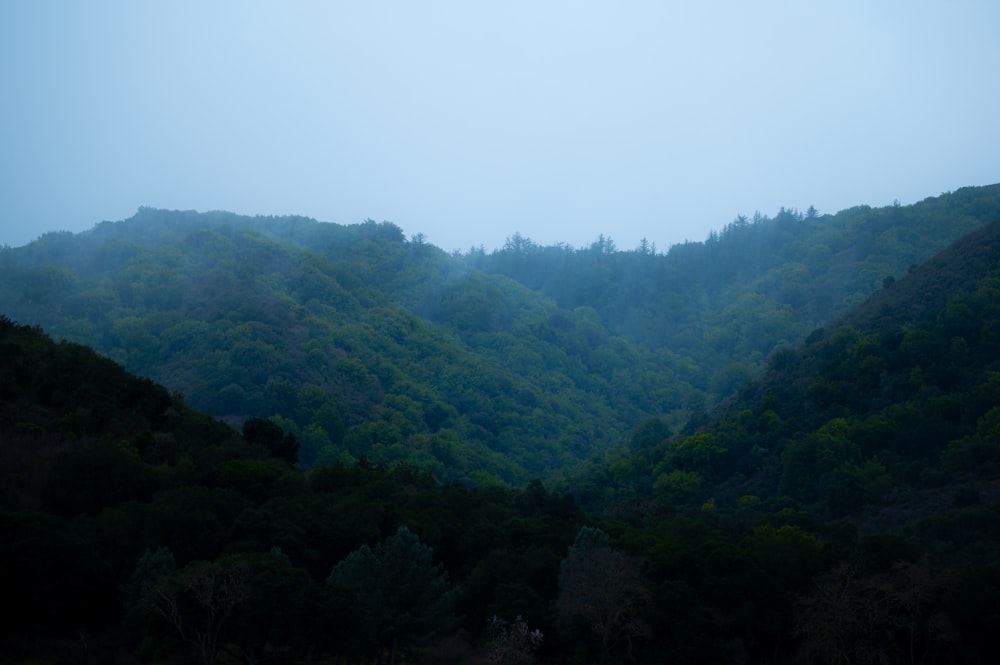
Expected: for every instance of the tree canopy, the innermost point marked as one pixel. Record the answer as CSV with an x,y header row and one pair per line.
x,y
840,506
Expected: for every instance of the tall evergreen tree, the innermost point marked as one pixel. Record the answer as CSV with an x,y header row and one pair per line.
x,y
405,597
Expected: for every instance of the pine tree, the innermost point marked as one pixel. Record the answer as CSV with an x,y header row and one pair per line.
x,y
405,597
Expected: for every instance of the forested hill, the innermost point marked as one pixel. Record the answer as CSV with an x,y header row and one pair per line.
x,y
756,277
494,367
888,415
134,529
842,509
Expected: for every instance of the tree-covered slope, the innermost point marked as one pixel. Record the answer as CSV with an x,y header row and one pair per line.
x,y
843,508
724,304
134,529
501,367
895,403
494,382
864,466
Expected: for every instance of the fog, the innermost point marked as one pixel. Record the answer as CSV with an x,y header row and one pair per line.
x,y
469,122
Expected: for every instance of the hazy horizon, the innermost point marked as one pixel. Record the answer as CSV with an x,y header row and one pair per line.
x,y
466,122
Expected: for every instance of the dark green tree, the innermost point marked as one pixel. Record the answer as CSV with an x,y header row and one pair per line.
x,y
406,598
150,569
277,620
269,436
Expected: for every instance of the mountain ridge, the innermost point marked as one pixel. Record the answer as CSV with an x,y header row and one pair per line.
x,y
842,503
896,399
493,368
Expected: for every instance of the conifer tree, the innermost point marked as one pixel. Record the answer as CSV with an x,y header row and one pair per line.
x,y
406,599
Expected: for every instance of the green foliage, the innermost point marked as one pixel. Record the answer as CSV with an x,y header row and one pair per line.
x,y
404,596
537,358
88,479
271,438
857,472
283,530
678,486
278,617
150,569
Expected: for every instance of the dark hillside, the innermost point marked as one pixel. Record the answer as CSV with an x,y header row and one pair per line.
x,y
898,396
939,318
132,527
62,403
841,509
932,285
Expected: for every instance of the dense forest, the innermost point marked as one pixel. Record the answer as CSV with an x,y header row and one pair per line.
x,y
485,368
819,485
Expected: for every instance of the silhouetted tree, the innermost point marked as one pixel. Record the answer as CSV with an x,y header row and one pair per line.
x,y
605,589
272,438
198,602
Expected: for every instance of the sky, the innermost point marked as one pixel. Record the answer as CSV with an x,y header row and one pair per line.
x,y
470,121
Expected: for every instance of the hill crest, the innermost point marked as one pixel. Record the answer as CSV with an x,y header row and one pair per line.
x,y
485,367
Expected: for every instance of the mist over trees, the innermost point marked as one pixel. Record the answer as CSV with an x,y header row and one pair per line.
x,y
485,368
775,446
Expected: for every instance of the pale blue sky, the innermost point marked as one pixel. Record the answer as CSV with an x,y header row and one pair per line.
x,y
469,121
